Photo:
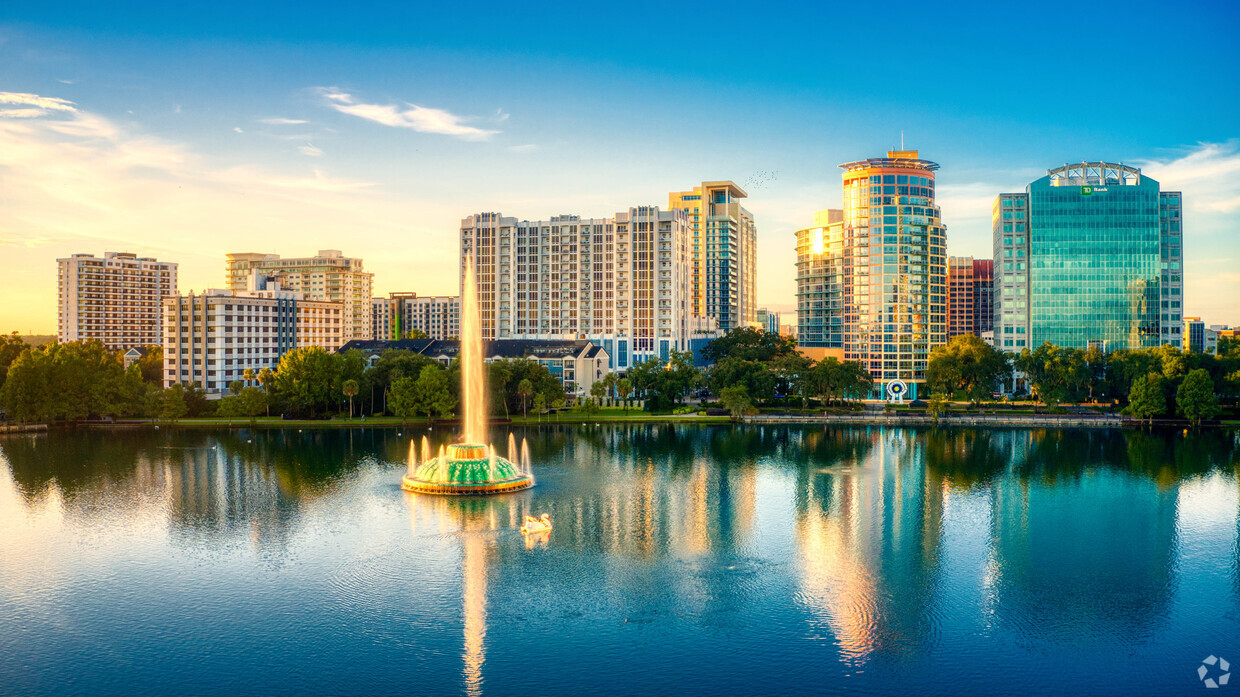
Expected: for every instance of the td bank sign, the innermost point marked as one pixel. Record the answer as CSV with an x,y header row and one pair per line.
x,y
1091,190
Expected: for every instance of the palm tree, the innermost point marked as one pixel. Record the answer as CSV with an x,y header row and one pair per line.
x,y
349,388
610,381
267,378
625,386
525,388
248,374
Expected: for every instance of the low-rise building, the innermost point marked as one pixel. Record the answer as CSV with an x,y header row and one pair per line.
x,y
577,364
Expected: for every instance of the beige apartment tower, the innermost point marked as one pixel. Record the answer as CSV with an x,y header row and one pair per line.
x,y
724,253
328,276
622,282
115,299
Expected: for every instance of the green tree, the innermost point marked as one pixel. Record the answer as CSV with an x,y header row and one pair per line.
x,y
757,379
609,382
525,388
151,364
966,366
402,398
431,393
736,400
235,387
1196,400
624,387
832,379
1145,398
172,403
349,388
267,378
11,347
416,334
558,405
793,375
937,406
1057,374
598,390
306,379
540,405
748,344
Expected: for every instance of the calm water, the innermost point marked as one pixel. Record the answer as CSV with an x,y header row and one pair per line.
x,y
684,560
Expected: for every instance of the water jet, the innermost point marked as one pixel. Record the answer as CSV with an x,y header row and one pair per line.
x,y
470,467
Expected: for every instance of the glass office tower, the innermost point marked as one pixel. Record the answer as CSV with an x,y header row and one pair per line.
x,y
894,301
1089,255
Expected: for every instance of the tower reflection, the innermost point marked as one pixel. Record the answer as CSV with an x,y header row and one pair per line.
x,y
868,522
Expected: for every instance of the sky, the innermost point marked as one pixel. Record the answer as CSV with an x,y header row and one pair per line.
x,y
187,131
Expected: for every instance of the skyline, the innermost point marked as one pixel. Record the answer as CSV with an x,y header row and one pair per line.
x,y
185,134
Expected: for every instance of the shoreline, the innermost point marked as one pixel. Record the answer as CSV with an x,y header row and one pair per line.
x,y
1063,421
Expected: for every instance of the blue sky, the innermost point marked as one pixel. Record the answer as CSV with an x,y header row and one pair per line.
x,y
191,132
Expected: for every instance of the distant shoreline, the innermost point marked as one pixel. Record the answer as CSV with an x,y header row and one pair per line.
x,y
858,419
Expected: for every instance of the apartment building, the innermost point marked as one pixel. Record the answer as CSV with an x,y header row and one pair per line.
x,y
723,253
212,338
621,282
115,299
970,296
328,276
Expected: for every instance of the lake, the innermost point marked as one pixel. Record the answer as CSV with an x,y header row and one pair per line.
x,y
684,560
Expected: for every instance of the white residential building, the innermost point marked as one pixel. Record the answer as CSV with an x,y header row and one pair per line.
x,y
212,338
621,282
328,276
115,299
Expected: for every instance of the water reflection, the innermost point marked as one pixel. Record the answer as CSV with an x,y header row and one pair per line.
x,y
868,521
850,538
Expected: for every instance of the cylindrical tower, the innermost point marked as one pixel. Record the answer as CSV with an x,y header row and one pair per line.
x,y
895,298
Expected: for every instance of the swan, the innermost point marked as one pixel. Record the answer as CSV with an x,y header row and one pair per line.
x,y
532,524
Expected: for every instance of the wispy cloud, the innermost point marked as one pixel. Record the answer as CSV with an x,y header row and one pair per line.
x,y
310,149
238,129
282,121
412,116
32,104
74,181
1209,174
528,147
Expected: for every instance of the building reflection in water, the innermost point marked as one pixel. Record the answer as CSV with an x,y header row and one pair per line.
x,y
1081,551
868,526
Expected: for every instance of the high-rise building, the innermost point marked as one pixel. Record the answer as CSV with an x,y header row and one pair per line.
x,y
970,296
894,299
328,276
380,320
116,299
724,253
621,282
212,338
767,321
1089,255
821,280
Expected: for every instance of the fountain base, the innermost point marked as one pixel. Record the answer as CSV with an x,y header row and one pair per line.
x,y
466,469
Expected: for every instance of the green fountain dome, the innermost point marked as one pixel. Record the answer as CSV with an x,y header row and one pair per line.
x,y
467,468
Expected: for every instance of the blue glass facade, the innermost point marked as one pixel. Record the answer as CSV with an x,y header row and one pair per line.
x,y
1089,255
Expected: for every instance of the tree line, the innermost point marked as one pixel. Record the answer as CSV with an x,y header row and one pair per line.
x,y
83,380
1146,383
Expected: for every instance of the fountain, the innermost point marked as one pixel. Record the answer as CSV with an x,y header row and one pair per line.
x,y
472,466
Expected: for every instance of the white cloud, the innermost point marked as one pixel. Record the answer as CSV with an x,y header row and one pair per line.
x,y
282,122
74,181
1209,175
33,104
528,147
415,117
237,129
309,149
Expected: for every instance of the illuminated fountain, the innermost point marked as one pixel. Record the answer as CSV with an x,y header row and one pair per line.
x,y
472,466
